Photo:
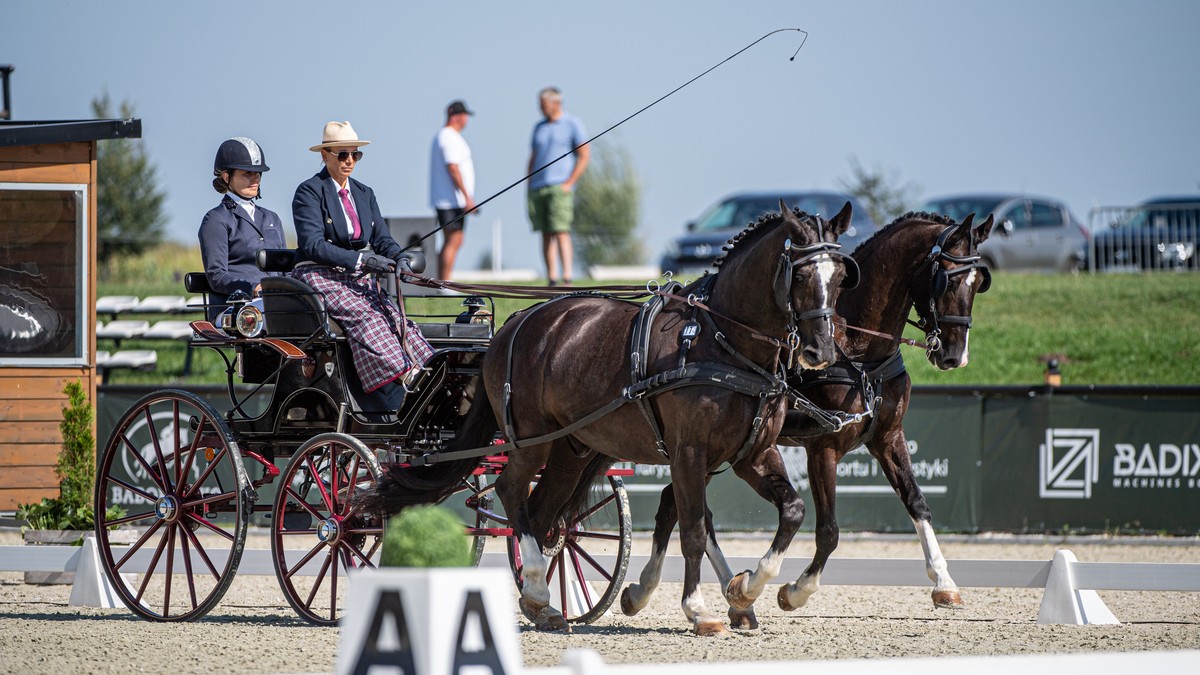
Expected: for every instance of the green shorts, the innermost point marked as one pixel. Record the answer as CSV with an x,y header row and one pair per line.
x,y
551,209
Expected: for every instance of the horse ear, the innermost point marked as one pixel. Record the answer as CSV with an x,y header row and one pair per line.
x,y
966,223
960,233
783,208
984,229
841,222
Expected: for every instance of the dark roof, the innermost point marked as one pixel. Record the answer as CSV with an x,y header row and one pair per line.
x,y
24,132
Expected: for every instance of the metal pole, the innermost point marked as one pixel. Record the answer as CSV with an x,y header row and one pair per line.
x,y
6,112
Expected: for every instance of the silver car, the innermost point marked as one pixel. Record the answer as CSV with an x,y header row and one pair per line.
x,y
1031,233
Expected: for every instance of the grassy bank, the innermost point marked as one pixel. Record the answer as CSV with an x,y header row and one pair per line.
x,y
1105,329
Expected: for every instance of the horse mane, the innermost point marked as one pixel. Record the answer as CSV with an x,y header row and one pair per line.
x,y
756,229
920,216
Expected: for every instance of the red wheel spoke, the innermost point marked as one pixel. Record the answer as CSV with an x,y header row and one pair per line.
x,y
583,584
312,595
580,553
162,541
195,446
132,488
162,463
316,476
202,552
137,545
583,534
170,571
303,561
599,505
178,440
187,565
145,466
312,511
212,466
210,526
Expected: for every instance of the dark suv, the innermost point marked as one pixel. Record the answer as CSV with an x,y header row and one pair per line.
x,y
1160,233
691,254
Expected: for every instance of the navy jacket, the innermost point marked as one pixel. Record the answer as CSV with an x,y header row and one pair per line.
x,y
322,233
229,242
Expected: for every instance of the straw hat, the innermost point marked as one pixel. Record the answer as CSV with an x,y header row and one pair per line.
x,y
339,135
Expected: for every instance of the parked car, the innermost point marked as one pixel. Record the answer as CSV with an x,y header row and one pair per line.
x,y
1159,233
1031,233
690,255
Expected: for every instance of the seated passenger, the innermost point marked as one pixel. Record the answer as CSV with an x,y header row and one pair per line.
x,y
342,239
233,232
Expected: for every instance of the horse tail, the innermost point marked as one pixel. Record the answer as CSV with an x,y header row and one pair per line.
x,y
577,503
404,486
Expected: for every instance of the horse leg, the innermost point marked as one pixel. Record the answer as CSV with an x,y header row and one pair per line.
x,y
822,479
767,475
688,473
636,596
891,451
512,487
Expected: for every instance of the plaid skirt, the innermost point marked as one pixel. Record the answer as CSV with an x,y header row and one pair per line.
x,y
385,347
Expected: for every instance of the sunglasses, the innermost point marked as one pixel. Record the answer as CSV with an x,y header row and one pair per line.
x,y
346,154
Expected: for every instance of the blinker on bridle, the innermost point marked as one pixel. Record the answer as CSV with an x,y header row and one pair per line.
x,y
786,272
939,285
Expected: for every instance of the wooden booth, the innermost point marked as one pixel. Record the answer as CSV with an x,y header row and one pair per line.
x,y
47,290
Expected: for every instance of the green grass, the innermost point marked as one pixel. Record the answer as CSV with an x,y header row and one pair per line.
x,y
1111,328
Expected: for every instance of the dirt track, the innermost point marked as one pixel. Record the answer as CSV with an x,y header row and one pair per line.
x,y
255,631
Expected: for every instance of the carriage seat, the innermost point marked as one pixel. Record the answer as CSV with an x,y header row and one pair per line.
x,y
295,309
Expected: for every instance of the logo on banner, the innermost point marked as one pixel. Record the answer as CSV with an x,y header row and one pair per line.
x,y
1070,463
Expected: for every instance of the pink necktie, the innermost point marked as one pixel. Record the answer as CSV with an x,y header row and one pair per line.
x,y
345,194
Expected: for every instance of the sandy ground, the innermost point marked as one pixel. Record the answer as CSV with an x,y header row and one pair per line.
x,y
254,630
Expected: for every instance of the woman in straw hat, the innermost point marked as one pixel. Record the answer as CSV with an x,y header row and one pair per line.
x,y
342,239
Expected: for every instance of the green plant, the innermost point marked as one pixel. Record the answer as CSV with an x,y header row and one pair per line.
x,y
76,467
425,536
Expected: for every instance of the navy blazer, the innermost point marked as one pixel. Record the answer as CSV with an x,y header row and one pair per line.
x,y
229,244
322,233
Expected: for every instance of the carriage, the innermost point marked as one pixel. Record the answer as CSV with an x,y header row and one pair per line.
x,y
296,443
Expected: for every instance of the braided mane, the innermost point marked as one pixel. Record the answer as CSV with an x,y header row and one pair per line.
x,y
921,216
756,228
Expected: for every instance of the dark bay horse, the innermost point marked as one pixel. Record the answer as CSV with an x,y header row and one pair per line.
x,y
693,381
920,261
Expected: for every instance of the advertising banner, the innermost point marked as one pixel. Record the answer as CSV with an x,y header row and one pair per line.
x,y
1091,463
943,446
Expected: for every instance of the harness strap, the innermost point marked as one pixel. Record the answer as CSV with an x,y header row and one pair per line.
x,y
639,354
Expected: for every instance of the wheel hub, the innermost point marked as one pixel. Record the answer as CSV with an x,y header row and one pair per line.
x,y
166,508
329,531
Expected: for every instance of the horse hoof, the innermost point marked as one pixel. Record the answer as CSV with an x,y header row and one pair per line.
x,y
743,620
947,600
734,594
785,603
627,606
711,628
544,618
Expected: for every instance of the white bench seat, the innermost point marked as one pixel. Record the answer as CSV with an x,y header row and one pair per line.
x,y
122,330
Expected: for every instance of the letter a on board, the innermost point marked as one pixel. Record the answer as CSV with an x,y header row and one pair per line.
x,y
488,656
371,654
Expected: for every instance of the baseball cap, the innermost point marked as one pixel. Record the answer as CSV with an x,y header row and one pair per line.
x,y
458,107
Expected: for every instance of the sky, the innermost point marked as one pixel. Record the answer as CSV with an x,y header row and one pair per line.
x,y
1093,102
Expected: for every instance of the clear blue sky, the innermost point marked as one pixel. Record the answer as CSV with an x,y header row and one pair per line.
x,y
1093,102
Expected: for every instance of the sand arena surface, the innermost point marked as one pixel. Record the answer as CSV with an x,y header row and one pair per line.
x,y
254,630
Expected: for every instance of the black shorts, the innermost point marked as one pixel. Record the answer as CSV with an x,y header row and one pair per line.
x,y
445,216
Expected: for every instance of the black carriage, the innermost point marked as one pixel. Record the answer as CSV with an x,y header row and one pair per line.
x,y
186,478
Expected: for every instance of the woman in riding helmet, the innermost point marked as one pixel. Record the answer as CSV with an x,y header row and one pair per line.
x,y
233,232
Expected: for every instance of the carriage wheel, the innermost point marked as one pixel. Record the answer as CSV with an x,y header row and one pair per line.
x,y
316,536
171,475
588,556
481,500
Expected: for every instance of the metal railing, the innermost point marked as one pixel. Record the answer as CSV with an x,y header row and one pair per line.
x,y
1149,237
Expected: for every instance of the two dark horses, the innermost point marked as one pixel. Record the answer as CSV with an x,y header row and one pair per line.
x,y
693,401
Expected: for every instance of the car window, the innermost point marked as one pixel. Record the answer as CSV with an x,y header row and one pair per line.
x,y
1045,215
1018,215
749,210
718,217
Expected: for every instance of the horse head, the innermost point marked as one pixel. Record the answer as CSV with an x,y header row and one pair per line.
x,y
784,275
943,290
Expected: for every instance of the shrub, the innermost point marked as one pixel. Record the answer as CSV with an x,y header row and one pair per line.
x,y
425,536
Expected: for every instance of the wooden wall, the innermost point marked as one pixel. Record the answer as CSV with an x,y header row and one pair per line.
x,y
31,399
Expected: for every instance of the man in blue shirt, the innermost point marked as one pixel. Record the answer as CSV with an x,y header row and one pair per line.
x,y
551,199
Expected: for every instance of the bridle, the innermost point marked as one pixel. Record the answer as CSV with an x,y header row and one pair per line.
x,y
787,270
939,283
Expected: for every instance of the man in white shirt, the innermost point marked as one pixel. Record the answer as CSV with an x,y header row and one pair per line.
x,y
451,183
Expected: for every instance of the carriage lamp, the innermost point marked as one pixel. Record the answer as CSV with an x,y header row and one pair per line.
x,y
250,321
1053,374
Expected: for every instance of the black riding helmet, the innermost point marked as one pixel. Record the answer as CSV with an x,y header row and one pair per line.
x,y
240,153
